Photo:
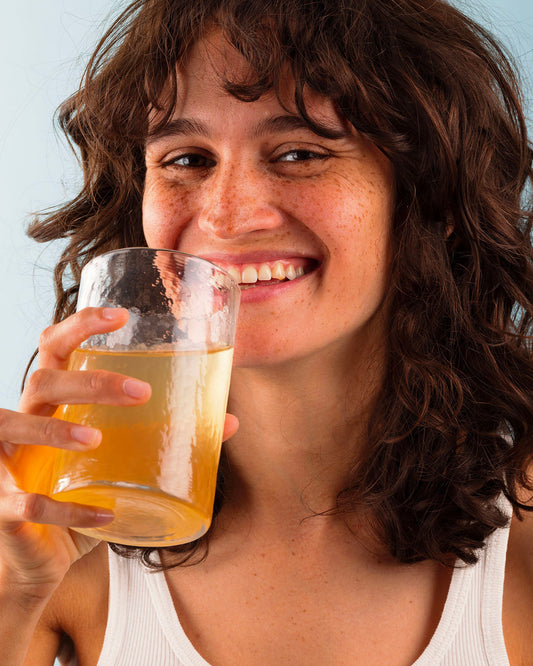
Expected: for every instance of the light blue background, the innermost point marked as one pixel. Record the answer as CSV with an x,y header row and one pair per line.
x,y
44,45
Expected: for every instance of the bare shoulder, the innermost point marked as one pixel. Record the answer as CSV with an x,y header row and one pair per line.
x,y
518,591
76,616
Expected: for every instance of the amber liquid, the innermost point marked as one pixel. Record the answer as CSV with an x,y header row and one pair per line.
x,y
157,464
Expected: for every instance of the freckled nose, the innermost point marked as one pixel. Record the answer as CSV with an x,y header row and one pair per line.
x,y
238,205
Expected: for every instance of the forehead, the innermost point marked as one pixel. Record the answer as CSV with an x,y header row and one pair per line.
x,y
201,85
212,60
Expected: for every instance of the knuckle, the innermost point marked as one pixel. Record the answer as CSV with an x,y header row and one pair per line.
x,y
97,381
46,336
5,419
37,382
48,431
84,319
29,507
87,313
7,449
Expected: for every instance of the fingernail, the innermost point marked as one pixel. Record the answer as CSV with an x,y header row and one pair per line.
x,y
112,313
85,435
136,388
103,516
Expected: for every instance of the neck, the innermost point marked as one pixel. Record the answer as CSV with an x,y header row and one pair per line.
x,y
303,424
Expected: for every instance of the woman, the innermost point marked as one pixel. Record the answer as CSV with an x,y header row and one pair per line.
x,y
377,151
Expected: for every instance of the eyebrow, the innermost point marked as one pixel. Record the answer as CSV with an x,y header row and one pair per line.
x,y
178,127
289,122
271,125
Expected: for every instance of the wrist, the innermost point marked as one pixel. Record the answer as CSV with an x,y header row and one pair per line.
x,y
21,602
23,597
19,615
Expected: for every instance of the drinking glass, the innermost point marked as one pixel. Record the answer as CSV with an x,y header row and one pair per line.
x,y
156,466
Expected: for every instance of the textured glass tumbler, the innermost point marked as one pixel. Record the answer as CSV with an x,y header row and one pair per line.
x,y
156,466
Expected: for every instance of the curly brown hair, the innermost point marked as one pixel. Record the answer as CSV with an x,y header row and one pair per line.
x,y
452,430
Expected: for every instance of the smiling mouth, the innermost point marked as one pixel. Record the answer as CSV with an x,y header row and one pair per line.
x,y
269,273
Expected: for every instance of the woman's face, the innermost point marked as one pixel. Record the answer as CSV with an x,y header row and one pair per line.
x,y
304,222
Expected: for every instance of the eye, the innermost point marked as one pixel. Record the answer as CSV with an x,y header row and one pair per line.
x,y
301,155
191,161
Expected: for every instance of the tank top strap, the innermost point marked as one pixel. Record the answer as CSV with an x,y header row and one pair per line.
x,y
492,597
119,589
470,630
142,625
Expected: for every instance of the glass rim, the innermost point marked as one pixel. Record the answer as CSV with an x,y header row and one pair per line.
x,y
192,257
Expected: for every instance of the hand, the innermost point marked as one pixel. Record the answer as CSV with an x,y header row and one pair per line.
x,y
36,546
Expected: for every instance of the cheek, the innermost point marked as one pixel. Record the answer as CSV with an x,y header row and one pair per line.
x,y
353,215
358,236
164,214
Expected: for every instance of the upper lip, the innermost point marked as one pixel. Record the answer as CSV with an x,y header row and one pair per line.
x,y
256,257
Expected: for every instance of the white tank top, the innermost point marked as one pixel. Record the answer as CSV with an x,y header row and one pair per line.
x,y
143,628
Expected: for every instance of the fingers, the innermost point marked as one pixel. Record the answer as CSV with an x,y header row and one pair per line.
x,y
231,425
47,388
58,341
36,545
20,508
50,385
16,428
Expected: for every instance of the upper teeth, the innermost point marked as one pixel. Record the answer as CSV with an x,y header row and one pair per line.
x,y
249,274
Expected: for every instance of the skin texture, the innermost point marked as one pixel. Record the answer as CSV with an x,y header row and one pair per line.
x,y
262,191
277,586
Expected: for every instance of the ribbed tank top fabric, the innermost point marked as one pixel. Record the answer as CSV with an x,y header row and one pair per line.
x,y
470,631
142,625
143,628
